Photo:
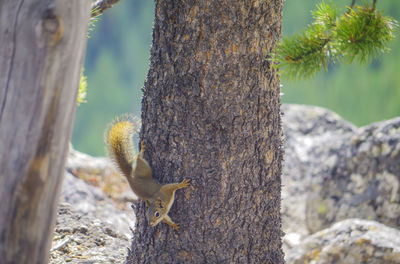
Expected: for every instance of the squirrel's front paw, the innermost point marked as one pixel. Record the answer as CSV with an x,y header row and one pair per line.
x,y
175,226
185,183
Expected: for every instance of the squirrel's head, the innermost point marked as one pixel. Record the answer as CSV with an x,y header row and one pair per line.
x,y
156,211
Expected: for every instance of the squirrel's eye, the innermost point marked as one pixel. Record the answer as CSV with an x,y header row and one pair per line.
x,y
156,214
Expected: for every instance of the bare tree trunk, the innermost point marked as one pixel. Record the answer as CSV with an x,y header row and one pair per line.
x,y
42,43
211,113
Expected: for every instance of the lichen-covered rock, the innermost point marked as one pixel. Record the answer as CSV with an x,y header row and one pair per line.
x,y
312,137
334,171
364,180
348,242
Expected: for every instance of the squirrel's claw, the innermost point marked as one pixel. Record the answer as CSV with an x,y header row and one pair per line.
x,y
185,183
175,226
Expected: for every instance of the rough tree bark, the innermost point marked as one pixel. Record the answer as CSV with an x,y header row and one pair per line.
x,y
211,113
42,44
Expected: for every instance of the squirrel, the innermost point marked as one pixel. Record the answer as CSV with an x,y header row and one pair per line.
x,y
158,198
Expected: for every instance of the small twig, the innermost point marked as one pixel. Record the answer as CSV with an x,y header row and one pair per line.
x,y
351,6
100,6
300,57
374,3
60,244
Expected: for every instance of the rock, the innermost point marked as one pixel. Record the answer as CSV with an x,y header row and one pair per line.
x,y
312,136
363,182
91,227
91,201
100,172
80,238
334,171
347,242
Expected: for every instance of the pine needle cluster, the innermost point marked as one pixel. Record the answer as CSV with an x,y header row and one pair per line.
x,y
359,35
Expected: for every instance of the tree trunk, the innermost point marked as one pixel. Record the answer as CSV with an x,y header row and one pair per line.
x,y
211,113
42,44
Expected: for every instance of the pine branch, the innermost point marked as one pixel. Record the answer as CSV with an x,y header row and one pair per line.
x,y
100,6
305,54
361,33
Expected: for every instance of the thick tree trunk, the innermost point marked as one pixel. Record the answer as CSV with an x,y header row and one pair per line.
x,y
42,44
211,113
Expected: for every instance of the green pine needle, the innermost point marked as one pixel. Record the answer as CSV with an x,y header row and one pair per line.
x,y
325,15
363,33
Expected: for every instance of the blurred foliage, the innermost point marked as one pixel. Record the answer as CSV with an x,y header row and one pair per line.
x,y
117,60
82,88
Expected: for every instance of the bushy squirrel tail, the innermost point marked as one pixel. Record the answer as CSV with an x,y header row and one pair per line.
x,y
119,141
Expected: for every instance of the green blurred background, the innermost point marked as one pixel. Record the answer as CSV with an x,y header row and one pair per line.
x,y
117,60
